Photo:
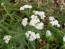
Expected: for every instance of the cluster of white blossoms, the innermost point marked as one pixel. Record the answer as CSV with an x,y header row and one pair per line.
x,y
24,22
40,13
48,33
39,25
54,22
64,39
32,36
35,21
25,7
7,38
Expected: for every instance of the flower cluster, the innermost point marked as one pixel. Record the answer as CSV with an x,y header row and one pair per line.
x,y
25,7
7,38
24,22
48,33
35,21
40,13
39,25
32,36
54,22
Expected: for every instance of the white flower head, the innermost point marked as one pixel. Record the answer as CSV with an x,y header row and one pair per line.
x,y
32,36
40,13
64,38
54,22
34,17
37,35
30,6
42,17
34,21
48,33
24,22
58,25
39,25
7,38
51,18
36,12
21,8
27,6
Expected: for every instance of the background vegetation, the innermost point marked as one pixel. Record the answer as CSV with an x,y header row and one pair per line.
x,y
10,24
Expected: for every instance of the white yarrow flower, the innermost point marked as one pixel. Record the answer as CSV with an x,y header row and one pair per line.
x,y
51,18
7,38
32,36
21,8
64,38
48,33
42,17
39,25
30,7
36,12
33,21
58,25
24,22
40,13
34,17
25,7
54,22
37,35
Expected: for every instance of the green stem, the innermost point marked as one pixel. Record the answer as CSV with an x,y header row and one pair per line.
x,y
47,47
27,45
38,3
8,12
32,45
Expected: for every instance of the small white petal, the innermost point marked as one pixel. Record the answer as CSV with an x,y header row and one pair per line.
x,y
27,6
58,25
37,35
48,33
39,26
51,18
34,21
24,22
21,8
64,38
55,22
